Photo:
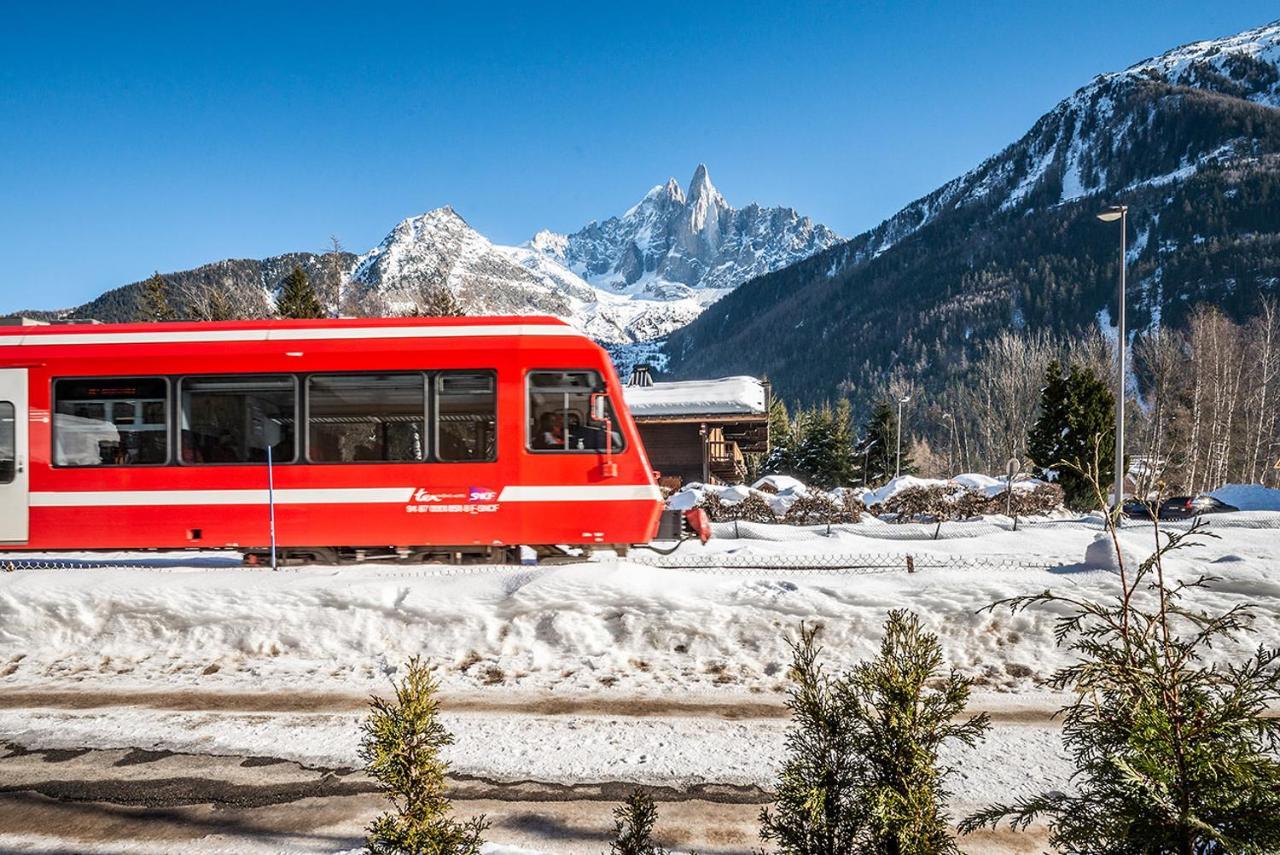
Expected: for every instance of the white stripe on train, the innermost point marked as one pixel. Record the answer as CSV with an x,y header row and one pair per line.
x,y
332,496
288,334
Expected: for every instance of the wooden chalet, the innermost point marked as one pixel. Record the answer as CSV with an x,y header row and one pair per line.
x,y
699,430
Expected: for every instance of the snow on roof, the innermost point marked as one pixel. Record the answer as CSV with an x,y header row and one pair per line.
x,y
726,396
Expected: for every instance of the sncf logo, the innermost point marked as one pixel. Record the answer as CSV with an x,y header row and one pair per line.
x,y
481,494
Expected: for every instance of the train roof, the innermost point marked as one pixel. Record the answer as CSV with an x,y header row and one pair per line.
x,y
287,330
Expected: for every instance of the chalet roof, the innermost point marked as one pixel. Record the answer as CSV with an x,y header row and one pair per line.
x,y
723,397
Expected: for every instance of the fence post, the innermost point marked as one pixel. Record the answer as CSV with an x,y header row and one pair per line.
x,y
911,564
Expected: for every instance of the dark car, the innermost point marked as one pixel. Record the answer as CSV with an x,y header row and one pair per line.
x,y
1136,509
1186,507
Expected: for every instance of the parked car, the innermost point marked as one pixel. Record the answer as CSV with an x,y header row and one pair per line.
x,y
1186,507
1176,508
1136,509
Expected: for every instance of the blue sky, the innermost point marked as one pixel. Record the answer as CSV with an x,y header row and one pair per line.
x,y
138,137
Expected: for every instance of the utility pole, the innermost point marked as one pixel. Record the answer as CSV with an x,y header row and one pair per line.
x,y
1110,215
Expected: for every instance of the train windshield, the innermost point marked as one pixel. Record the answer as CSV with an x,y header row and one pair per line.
x,y
560,413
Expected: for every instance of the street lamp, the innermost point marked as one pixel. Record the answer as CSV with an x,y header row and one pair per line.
x,y
897,469
1110,215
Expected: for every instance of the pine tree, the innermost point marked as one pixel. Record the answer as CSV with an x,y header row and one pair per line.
x,y
819,807
862,772
906,707
845,464
401,750
298,298
633,822
879,446
1173,757
436,302
153,302
816,452
219,307
781,457
1075,424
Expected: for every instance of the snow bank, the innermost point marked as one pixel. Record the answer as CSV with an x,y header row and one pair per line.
x,y
984,484
1249,497
610,624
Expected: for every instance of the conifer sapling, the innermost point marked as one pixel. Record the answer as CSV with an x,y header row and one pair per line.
x,y
401,746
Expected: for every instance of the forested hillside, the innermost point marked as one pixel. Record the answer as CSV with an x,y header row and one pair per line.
x,y
1189,140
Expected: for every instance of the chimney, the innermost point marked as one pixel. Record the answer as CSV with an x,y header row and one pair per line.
x,y
640,376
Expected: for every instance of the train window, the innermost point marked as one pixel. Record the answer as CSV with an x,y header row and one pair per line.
x,y
234,419
466,416
560,413
8,442
111,421
366,417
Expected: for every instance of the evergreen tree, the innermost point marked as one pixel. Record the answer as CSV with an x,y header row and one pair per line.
x,y
401,750
845,464
435,301
633,822
153,302
816,451
818,809
298,298
906,708
862,773
879,446
781,457
1173,757
220,306
1075,424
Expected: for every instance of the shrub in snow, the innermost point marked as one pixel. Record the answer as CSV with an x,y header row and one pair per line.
x,y
852,506
1039,500
711,503
633,822
814,509
1172,755
862,772
753,508
968,504
401,746
932,501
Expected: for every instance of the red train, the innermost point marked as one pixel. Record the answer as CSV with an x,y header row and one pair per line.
x,y
416,438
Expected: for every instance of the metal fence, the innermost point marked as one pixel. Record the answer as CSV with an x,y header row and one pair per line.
x,y
843,563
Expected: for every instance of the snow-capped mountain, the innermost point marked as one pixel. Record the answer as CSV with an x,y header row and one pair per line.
x,y
1111,135
439,250
1189,140
674,243
696,248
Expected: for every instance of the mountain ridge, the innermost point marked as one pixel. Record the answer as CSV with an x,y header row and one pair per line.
x,y
1012,243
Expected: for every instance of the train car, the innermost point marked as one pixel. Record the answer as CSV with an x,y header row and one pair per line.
x,y
414,438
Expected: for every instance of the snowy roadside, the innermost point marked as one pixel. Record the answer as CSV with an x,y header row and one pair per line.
x,y
606,628
604,673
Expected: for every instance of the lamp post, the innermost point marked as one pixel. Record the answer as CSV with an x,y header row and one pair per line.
x,y
1111,215
897,469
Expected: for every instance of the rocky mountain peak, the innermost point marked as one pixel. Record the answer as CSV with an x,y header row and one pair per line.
x,y
674,243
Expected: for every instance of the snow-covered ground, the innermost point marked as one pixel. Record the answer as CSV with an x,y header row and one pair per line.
x,y
623,670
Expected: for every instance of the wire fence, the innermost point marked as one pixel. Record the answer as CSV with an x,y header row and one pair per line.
x,y
855,563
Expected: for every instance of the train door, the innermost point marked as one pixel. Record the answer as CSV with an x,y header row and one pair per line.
x,y
13,455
